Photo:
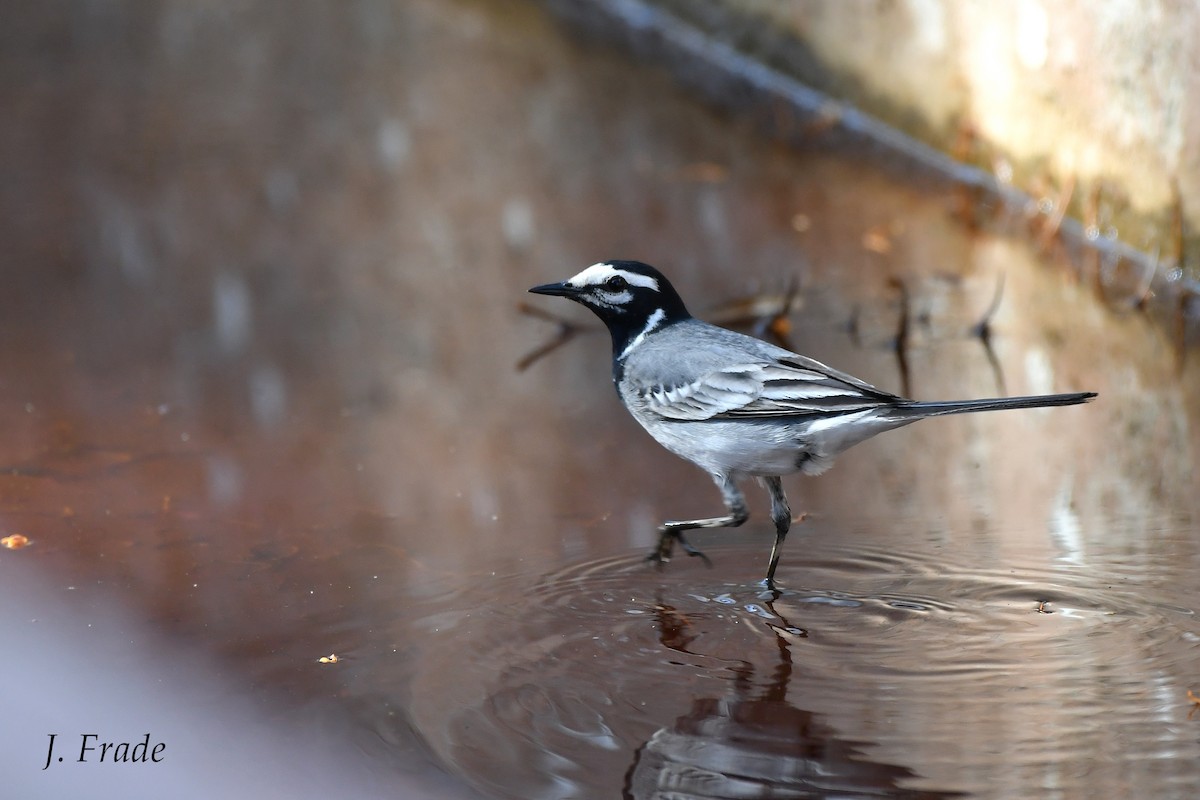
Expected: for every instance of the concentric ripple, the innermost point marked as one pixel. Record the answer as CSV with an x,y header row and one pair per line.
x,y
869,675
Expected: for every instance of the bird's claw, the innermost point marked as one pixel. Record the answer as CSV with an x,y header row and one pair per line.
x,y
661,554
691,551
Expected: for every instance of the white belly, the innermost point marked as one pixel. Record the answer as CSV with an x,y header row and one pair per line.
x,y
742,448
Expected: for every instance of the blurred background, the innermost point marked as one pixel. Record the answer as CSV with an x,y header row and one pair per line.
x,y
296,478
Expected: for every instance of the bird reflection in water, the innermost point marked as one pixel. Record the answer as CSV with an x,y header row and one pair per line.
x,y
753,742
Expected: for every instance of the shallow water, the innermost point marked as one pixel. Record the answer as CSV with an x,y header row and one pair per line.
x,y
883,667
260,389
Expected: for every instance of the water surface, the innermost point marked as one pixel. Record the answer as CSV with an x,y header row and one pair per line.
x,y
260,390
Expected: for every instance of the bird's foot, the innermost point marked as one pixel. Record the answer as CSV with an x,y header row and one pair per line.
x,y
657,558
692,551
768,590
661,554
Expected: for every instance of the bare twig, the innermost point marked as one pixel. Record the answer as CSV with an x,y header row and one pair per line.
x,y
983,331
903,337
567,330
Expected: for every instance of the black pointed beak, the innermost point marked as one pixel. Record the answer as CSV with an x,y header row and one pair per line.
x,y
561,289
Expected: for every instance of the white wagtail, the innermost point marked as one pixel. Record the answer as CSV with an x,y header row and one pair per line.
x,y
734,405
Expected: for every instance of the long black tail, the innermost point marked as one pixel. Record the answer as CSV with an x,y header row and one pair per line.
x,y
917,409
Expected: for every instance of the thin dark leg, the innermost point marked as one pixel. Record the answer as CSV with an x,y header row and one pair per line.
x,y
672,531
781,515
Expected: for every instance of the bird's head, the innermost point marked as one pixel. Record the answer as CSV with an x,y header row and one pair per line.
x,y
629,296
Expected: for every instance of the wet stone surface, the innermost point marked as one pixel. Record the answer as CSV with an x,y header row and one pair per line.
x,y
266,387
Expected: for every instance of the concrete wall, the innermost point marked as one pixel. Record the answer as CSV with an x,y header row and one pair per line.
x,y
1096,100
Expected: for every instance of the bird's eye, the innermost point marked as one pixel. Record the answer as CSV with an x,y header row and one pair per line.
x,y
616,283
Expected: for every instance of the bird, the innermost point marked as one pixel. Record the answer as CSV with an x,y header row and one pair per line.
x,y
736,406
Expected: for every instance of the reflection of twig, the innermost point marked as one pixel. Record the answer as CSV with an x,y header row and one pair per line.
x,y
567,330
854,327
675,633
766,313
903,336
779,326
983,330
674,630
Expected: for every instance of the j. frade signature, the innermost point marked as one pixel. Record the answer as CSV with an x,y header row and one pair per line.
x,y
92,750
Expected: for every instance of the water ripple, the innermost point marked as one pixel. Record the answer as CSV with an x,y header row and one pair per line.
x,y
872,674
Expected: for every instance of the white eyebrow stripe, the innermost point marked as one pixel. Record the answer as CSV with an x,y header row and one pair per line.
x,y
597,274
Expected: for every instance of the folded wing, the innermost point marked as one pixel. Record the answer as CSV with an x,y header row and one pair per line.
x,y
793,386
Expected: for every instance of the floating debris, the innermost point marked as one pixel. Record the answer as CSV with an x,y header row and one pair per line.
x,y
14,541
